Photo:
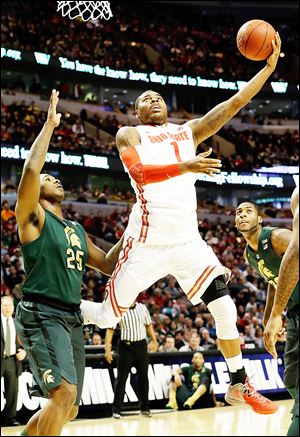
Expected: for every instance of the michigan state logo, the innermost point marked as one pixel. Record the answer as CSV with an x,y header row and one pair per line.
x,y
47,377
72,237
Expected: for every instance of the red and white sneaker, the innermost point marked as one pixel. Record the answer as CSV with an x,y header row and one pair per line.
x,y
238,394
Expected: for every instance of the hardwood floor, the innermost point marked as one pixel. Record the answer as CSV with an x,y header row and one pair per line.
x,y
224,421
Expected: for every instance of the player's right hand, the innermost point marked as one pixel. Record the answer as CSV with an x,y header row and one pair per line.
x,y
271,332
202,164
53,118
273,58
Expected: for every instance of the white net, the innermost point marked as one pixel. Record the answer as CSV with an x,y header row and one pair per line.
x,y
86,10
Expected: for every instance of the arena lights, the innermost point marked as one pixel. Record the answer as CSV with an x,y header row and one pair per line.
x,y
137,76
279,87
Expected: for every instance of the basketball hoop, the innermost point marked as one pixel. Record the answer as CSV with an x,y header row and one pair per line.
x,y
86,10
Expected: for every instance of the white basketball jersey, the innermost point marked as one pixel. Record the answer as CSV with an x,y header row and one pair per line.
x,y
165,212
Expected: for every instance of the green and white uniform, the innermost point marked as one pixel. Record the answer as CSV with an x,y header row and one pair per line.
x,y
267,263
48,318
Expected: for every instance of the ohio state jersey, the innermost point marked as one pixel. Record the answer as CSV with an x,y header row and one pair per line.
x,y
165,212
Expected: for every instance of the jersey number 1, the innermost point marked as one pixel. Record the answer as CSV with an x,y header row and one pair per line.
x,y
176,150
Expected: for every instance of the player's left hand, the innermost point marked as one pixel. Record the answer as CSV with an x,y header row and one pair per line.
x,y
272,333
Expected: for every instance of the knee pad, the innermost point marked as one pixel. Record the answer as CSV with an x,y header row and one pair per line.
x,y
224,312
217,288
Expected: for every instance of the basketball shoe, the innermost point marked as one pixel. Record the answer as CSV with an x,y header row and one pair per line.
x,y
146,413
92,314
246,394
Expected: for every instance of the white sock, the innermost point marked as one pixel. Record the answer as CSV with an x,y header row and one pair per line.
x,y
234,363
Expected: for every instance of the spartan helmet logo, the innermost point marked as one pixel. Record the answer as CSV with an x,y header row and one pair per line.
x,y
72,237
47,377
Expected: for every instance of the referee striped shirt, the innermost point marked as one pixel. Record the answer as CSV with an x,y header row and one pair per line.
x,y
133,323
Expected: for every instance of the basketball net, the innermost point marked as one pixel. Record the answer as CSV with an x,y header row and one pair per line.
x,y
86,10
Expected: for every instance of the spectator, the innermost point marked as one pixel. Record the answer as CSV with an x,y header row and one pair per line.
x,y
206,341
6,212
86,336
78,128
193,345
96,339
259,337
211,327
168,345
179,342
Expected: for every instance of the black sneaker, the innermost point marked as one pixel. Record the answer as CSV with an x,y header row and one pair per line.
x,y
146,413
116,415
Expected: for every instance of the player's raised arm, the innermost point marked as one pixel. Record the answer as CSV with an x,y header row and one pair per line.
x,y
212,122
29,187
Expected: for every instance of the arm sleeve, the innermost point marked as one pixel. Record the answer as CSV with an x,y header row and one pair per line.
x,y
147,174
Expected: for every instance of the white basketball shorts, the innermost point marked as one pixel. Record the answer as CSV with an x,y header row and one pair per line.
x,y
194,265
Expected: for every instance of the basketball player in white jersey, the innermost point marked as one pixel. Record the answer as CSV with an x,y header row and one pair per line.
x,y
162,235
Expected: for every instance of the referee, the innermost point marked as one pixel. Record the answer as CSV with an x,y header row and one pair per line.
x,y
132,351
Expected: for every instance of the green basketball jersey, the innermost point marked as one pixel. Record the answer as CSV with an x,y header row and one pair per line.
x,y
194,378
55,262
267,263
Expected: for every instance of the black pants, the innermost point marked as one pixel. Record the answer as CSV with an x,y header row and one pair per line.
x,y
9,373
132,354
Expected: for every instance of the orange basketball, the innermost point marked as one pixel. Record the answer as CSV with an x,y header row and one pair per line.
x,y
254,40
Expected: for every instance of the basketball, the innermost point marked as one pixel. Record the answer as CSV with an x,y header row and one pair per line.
x,y
254,40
